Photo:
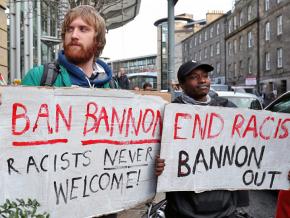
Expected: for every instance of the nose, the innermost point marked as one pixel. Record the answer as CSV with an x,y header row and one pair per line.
x,y
75,34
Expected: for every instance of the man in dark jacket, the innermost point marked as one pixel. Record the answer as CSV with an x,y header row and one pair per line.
x,y
123,79
193,79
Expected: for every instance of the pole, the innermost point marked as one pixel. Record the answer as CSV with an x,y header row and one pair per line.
x,y
39,31
12,55
171,43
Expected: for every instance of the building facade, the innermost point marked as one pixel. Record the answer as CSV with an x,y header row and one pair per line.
x,y
254,45
208,45
138,69
3,41
275,45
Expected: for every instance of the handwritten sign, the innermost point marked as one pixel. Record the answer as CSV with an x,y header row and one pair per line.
x,y
208,148
79,152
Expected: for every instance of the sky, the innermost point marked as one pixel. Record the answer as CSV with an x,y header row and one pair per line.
x,y
139,37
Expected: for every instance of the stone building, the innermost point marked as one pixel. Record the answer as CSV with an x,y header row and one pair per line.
x,y
274,45
3,41
242,44
208,45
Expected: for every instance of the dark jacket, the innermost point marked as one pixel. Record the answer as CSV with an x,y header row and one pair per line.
x,y
123,82
209,204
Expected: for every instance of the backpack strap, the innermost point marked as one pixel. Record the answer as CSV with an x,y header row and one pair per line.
x,y
50,73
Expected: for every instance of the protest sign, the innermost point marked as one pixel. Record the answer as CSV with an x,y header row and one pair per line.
x,y
78,152
209,148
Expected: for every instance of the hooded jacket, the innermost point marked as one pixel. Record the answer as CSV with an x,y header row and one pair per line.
x,y
69,75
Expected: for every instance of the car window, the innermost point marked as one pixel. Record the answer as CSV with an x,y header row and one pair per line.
x,y
243,102
282,106
255,104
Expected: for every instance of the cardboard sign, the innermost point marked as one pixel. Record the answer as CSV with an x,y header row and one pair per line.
x,y
209,148
79,152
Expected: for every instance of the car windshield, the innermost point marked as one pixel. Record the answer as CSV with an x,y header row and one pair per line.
x,y
244,102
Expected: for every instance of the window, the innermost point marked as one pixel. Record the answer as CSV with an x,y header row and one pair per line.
x,y
195,41
195,56
250,9
205,53
199,38
235,22
241,66
230,48
218,48
241,18
250,66
278,1
250,40
229,71
230,25
241,43
211,50
279,25
279,58
200,55
267,61
218,68
218,29
235,70
267,31
211,32
267,5
235,46
205,35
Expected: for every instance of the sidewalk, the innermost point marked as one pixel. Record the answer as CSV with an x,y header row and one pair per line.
x,y
138,211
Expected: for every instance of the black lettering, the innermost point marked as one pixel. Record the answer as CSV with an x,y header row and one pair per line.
x,y
130,179
104,186
229,157
87,158
62,157
61,191
148,153
31,162
91,181
273,173
213,155
253,153
73,187
240,164
132,157
251,178
76,158
85,188
139,154
199,155
121,156
10,162
118,182
183,163
41,163
256,178
107,154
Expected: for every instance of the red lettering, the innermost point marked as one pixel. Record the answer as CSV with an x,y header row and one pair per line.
x,y
115,116
158,120
212,116
262,125
251,127
131,120
197,122
67,122
103,116
277,128
90,115
16,116
176,127
285,129
238,124
43,113
144,120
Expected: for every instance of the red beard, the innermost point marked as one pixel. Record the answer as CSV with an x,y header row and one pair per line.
x,y
78,54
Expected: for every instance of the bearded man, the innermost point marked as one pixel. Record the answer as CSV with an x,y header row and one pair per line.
x,y
83,35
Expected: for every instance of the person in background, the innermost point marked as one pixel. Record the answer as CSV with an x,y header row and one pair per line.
x,y
194,80
147,86
83,35
123,79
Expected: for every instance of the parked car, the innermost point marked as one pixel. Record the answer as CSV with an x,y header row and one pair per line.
x,y
281,104
248,89
242,100
220,87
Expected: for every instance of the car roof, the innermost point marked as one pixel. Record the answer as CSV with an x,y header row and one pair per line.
x,y
236,94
